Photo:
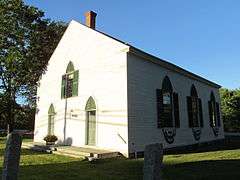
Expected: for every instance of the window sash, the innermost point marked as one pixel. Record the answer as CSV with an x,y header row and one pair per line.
x,y
51,124
194,112
69,84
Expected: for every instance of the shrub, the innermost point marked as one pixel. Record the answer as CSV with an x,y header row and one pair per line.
x,y
3,134
50,138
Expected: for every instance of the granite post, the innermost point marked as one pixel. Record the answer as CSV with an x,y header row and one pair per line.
x,y
12,157
153,156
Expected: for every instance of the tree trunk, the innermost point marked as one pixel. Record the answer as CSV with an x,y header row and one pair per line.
x,y
10,115
9,128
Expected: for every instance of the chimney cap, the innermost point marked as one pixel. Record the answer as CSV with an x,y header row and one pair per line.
x,y
90,17
92,13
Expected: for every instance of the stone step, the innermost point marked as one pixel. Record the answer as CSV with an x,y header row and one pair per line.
x,y
108,155
25,145
84,152
74,152
68,154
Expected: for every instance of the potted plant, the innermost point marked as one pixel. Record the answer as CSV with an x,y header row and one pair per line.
x,y
50,139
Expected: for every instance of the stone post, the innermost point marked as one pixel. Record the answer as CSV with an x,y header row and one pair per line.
x,y
12,157
153,156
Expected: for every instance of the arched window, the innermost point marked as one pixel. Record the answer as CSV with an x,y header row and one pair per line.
x,y
70,67
194,91
90,106
214,111
167,102
51,114
70,82
167,105
194,106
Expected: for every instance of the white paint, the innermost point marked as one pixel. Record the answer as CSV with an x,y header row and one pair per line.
x,y
144,77
102,75
123,87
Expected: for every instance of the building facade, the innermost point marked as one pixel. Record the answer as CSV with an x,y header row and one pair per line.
x,y
101,92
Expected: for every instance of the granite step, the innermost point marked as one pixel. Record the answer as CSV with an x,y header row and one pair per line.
x,y
76,152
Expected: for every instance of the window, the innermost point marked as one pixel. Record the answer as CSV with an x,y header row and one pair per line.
x,y
195,112
91,105
214,112
167,106
70,82
51,114
167,99
194,106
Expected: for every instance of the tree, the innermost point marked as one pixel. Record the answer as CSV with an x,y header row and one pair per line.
x,y
230,102
27,41
24,116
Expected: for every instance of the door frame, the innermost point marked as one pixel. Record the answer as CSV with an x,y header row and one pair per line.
x,y
90,106
87,128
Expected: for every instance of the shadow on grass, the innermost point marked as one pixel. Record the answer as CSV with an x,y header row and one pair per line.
x,y
229,143
23,150
131,170
104,169
207,170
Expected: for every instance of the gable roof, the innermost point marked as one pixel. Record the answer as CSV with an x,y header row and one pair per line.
x,y
156,60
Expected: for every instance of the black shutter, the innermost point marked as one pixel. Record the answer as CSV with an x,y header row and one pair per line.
x,y
210,113
176,110
159,96
200,112
218,115
190,113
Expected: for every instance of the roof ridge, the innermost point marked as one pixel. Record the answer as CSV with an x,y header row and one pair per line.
x,y
159,61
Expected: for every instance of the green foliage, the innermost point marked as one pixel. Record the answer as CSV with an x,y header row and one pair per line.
x,y
27,41
230,102
3,134
50,138
24,118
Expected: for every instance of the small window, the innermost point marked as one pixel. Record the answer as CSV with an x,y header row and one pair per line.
x,y
167,105
214,112
167,99
70,82
51,115
194,106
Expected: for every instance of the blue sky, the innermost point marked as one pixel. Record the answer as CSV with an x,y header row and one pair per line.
x,y
200,36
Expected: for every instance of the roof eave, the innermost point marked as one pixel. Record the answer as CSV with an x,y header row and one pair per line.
x,y
159,61
171,66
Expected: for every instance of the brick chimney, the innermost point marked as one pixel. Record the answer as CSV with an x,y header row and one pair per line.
x,y
90,17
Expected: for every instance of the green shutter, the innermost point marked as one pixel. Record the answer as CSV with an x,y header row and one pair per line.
x,y
200,112
159,97
63,87
190,113
218,115
210,113
75,83
176,110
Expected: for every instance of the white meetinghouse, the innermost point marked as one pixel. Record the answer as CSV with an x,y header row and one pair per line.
x,y
101,92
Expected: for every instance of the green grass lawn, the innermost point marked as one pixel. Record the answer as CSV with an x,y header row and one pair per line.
x,y
208,165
